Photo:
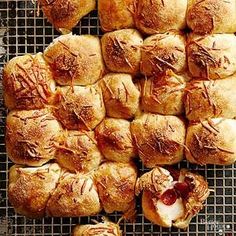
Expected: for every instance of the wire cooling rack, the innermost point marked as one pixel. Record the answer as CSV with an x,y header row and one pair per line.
x,y
22,31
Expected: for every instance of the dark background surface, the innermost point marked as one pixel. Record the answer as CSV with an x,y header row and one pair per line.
x,y
22,31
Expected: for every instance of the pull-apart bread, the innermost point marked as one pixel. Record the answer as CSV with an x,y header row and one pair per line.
x,y
28,83
212,56
212,141
172,198
163,94
159,16
65,14
162,52
210,98
211,16
77,151
115,141
116,14
105,228
159,139
116,187
75,59
79,108
122,50
31,136
121,96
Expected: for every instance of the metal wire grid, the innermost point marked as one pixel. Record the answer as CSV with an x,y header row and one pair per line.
x,y
28,33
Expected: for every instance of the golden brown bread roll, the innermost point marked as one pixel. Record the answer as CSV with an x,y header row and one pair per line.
x,y
172,198
115,14
212,56
212,142
28,83
30,188
65,14
75,59
80,108
162,52
31,136
212,16
121,97
78,151
105,228
75,195
116,182
114,140
122,50
159,16
159,139
163,94
208,99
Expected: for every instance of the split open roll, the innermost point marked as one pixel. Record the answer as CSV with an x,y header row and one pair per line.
x,y
172,198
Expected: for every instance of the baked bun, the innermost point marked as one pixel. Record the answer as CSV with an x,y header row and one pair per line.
x,y
30,188
78,151
163,94
75,59
80,108
159,16
121,97
106,228
122,50
163,52
159,139
212,142
211,98
31,136
116,182
172,200
75,195
114,140
28,83
213,56
65,14
115,14
212,16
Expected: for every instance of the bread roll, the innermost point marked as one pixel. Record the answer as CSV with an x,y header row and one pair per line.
x,y
212,16
159,16
212,142
75,59
115,141
208,99
163,94
162,52
78,151
172,198
115,14
65,14
116,182
213,56
31,136
122,50
121,97
27,82
30,188
80,108
159,139
75,195
106,228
